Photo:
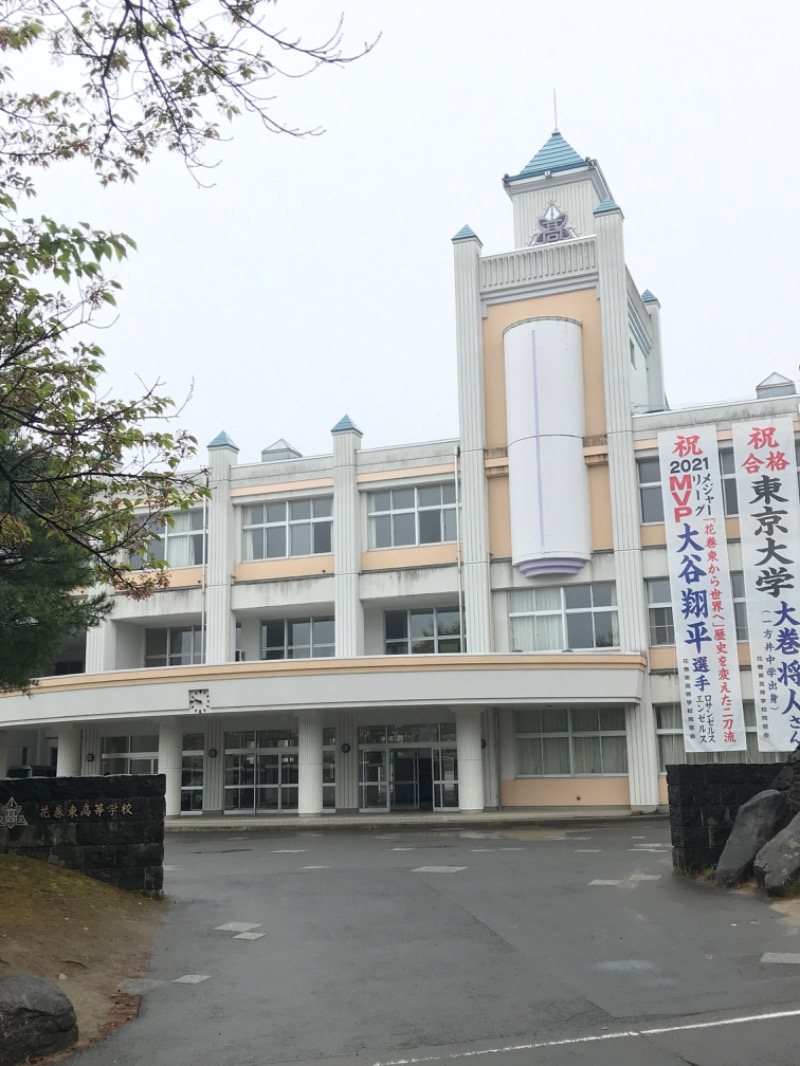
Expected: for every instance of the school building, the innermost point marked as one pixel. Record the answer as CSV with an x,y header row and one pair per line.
x,y
477,623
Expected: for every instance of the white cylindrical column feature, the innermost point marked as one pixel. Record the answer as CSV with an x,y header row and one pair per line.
x,y
170,759
90,751
551,529
309,762
3,752
469,722
68,763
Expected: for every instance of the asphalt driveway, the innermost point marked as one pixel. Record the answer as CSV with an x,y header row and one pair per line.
x,y
557,945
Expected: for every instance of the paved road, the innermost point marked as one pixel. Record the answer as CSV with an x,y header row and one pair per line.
x,y
530,946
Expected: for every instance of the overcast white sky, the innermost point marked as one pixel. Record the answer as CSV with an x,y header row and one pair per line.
x,y
315,277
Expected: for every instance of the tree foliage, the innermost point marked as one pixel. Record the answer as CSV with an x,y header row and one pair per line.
x,y
79,468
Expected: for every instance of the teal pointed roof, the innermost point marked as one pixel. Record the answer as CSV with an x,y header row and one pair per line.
x,y
648,298
606,206
222,440
466,233
553,156
346,425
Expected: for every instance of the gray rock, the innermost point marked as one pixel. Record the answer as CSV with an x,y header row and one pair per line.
x,y
36,1019
777,865
756,824
788,781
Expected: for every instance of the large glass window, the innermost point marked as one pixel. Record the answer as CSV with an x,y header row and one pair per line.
x,y
129,755
262,770
178,541
570,742
659,599
669,730
298,638
284,528
173,646
422,514
572,616
422,631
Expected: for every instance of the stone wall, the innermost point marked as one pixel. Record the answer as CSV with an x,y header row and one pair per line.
x,y
110,828
703,803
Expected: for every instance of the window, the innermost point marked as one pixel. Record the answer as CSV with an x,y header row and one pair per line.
x,y
422,515
650,502
174,646
297,638
423,631
262,770
669,730
284,528
728,473
192,773
570,742
129,755
573,616
659,599
181,543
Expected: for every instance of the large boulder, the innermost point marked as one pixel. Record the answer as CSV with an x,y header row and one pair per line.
x,y
788,781
756,823
777,865
36,1019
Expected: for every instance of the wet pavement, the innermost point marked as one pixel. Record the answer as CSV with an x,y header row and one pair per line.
x,y
556,944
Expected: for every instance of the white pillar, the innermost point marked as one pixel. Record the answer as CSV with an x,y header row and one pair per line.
x,y
471,417
469,722
214,768
491,779
90,746
3,752
640,730
69,751
170,757
220,630
348,611
309,762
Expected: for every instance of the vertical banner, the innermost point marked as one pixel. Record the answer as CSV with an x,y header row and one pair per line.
x,y
769,518
702,604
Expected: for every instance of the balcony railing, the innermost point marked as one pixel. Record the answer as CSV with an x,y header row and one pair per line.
x,y
562,260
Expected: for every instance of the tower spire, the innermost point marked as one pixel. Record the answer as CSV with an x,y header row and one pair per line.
x,y
555,112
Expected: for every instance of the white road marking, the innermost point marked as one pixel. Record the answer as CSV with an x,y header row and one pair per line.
x,y
174,868
646,851
780,956
615,883
316,867
438,869
289,851
191,979
638,838
579,838
249,936
625,1034
237,927
400,849
588,851
645,877
482,849
511,849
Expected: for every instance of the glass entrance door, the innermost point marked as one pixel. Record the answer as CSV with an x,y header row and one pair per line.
x,y
405,780
445,778
373,788
277,781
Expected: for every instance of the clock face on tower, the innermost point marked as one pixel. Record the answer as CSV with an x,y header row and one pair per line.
x,y
199,700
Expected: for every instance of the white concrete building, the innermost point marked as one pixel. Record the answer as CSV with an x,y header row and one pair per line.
x,y
462,624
